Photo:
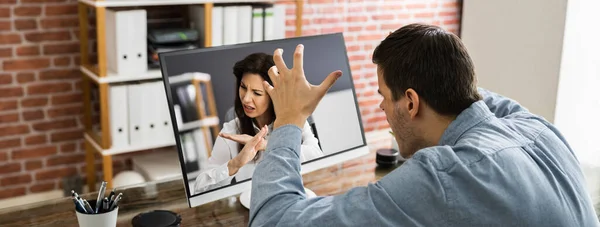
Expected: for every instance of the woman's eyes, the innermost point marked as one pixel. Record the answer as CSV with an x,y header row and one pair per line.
x,y
256,93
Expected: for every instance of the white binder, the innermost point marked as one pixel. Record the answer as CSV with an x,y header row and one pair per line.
x,y
230,27
257,24
119,128
164,130
269,23
244,24
279,21
138,129
126,45
217,26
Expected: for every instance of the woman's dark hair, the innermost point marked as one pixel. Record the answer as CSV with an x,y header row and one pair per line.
x,y
256,63
431,61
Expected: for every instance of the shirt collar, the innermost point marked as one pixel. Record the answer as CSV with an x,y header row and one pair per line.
x,y
466,120
257,129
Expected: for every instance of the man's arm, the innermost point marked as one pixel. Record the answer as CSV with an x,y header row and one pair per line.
x,y
499,105
408,196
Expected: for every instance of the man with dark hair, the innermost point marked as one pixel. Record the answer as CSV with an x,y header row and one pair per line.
x,y
474,158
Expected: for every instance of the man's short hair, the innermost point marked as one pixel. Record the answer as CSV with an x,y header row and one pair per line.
x,y
431,61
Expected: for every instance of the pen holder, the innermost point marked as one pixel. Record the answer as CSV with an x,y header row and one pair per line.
x,y
103,219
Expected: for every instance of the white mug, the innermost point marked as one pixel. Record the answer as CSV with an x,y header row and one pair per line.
x,y
108,219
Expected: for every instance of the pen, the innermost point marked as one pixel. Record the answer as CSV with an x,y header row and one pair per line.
x,y
105,204
78,205
100,195
110,197
88,207
115,203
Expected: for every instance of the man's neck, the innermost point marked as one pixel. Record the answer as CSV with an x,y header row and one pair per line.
x,y
435,128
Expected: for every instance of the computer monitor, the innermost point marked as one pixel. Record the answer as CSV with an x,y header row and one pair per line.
x,y
335,125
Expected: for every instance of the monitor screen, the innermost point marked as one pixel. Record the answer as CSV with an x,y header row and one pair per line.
x,y
217,90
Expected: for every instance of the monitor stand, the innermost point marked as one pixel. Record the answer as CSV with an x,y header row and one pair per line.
x,y
245,197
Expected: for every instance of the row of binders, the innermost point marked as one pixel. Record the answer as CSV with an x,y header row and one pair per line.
x,y
234,24
139,115
127,31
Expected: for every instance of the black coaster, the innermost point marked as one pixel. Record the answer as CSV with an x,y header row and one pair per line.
x,y
156,218
387,157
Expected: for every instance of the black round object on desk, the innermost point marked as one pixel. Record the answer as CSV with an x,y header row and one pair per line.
x,y
156,218
387,157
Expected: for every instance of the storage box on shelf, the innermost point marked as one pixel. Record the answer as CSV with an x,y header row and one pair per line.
x,y
108,75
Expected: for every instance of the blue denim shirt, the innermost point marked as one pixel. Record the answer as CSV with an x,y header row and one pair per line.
x,y
495,165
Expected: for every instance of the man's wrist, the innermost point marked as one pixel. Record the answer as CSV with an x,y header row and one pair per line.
x,y
281,121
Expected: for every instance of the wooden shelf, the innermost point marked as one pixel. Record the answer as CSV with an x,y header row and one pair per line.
x,y
115,78
123,150
209,121
126,3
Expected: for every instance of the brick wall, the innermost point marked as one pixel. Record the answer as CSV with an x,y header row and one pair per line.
x,y
40,91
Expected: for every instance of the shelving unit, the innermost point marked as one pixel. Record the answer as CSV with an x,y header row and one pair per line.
x,y
98,74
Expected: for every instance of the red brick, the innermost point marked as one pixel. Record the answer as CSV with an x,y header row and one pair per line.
x,y
4,12
11,192
32,115
416,6
357,19
33,165
424,15
59,74
24,77
48,36
66,135
451,21
33,102
9,143
6,52
42,1
25,24
5,78
56,124
62,61
359,57
9,118
68,148
42,187
60,22
65,111
383,17
16,180
37,152
47,174
68,9
10,168
67,98
8,105
36,139
26,64
11,92
66,159
448,14
28,50
10,39
370,37
7,2
27,11
49,88
5,26
3,156
63,48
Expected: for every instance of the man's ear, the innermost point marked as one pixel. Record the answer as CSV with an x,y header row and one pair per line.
x,y
412,104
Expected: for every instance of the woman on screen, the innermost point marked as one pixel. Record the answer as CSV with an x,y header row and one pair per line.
x,y
253,110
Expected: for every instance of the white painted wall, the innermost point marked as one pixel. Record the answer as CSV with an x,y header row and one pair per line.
x,y
578,101
546,55
516,47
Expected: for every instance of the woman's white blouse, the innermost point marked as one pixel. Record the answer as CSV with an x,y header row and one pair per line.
x,y
216,174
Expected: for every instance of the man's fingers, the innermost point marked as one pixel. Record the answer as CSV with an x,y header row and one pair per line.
x,y
298,57
278,59
268,88
329,81
274,75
